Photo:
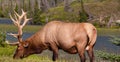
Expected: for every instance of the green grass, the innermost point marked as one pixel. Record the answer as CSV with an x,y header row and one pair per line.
x,y
108,31
6,54
32,58
35,28
12,28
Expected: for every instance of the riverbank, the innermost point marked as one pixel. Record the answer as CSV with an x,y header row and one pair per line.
x,y
35,28
13,28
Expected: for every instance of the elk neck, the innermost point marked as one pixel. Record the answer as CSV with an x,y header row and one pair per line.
x,y
36,41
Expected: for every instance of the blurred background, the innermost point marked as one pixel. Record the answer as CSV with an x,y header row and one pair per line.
x,y
104,14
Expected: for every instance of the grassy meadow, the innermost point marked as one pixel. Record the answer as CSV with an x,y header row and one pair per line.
x,y
13,28
35,28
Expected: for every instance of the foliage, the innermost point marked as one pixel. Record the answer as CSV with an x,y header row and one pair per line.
x,y
58,13
6,51
92,7
115,40
37,19
108,56
83,17
36,15
1,13
2,38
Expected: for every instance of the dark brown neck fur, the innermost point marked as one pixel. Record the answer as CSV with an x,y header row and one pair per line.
x,y
36,42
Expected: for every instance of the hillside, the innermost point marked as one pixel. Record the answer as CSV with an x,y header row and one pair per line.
x,y
107,10
95,9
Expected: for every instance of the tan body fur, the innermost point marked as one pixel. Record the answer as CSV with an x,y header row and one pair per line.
x,y
71,37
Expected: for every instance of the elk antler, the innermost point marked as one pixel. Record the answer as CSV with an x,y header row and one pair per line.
x,y
17,20
13,44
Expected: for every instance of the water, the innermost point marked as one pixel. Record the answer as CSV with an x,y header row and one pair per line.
x,y
102,43
5,21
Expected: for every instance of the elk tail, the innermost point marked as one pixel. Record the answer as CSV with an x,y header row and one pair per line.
x,y
92,39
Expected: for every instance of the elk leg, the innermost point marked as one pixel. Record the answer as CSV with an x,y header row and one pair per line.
x,y
91,54
81,51
55,52
55,56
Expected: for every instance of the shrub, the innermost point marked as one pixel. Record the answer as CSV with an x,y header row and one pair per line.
x,y
108,56
115,40
1,13
37,18
2,38
83,16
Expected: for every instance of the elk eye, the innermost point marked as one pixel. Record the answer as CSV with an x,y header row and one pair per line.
x,y
26,45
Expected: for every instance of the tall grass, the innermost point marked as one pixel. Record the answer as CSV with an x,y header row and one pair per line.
x,y
12,28
108,31
2,38
6,54
35,28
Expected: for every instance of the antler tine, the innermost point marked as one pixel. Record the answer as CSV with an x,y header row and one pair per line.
x,y
19,16
14,21
25,21
23,14
13,44
16,13
11,18
14,35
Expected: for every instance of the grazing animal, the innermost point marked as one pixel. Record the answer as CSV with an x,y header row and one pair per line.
x,y
70,37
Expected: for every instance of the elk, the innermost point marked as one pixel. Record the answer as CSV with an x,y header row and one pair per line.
x,y
70,37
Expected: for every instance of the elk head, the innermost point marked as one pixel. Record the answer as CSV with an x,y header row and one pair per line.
x,y
19,21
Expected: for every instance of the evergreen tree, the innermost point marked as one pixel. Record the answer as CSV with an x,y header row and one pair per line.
x,y
83,15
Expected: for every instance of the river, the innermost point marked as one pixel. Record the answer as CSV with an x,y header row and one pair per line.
x,y
102,43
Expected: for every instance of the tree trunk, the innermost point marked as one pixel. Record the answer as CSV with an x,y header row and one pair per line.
x,y
53,3
44,5
18,4
11,6
38,4
67,7
82,6
29,8
1,4
23,4
110,22
32,4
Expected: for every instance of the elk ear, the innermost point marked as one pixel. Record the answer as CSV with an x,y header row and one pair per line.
x,y
26,45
